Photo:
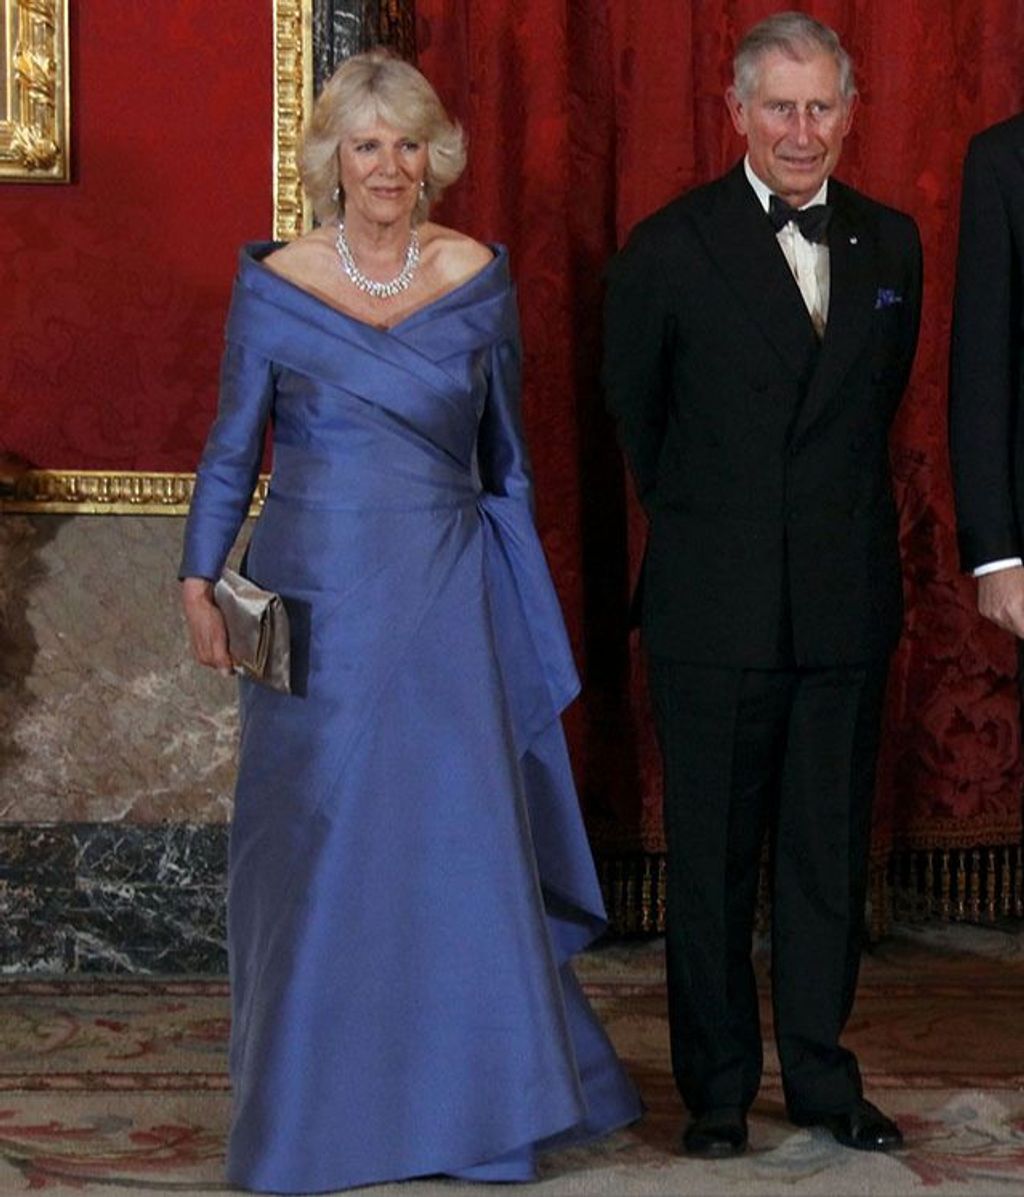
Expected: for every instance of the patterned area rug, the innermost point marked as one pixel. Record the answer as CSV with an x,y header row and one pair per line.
x,y
118,1086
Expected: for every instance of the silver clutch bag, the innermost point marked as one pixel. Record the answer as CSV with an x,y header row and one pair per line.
x,y
259,639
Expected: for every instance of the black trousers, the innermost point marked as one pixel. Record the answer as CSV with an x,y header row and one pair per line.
x,y
790,753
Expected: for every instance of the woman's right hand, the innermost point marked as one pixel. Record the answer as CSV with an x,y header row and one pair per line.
x,y
207,632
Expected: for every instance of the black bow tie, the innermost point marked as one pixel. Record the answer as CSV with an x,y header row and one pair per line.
x,y
812,222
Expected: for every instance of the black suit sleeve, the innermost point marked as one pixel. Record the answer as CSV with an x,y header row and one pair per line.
x,y
984,374
638,328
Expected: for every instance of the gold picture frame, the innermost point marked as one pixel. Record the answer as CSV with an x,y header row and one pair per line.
x,y
293,102
35,100
100,492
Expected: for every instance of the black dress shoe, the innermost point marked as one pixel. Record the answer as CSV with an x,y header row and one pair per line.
x,y
863,1127
716,1134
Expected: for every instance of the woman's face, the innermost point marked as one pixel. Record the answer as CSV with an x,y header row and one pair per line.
x,y
380,169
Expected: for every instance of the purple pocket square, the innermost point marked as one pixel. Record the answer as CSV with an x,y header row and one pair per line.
x,y
886,298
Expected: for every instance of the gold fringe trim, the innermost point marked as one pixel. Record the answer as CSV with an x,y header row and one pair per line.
x,y
97,492
634,892
982,884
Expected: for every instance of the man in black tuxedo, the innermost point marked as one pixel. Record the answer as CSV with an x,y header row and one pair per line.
x,y
758,341
986,418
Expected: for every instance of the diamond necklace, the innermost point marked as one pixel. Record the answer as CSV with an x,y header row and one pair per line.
x,y
370,286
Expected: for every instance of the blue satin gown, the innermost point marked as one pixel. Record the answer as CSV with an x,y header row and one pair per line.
x,y
409,874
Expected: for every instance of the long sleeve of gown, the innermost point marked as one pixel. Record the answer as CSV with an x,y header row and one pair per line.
x,y
535,645
503,456
230,464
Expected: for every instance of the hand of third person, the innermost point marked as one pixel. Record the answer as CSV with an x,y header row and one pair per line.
x,y
1001,598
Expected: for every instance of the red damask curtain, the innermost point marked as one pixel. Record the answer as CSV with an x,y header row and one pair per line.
x,y
585,115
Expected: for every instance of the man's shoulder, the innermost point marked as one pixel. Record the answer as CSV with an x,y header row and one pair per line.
x,y
883,216
1007,134
674,221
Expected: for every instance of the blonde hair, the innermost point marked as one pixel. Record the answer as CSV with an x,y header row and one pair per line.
x,y
378,86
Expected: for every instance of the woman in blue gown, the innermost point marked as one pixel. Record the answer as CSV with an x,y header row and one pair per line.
x,y
409,874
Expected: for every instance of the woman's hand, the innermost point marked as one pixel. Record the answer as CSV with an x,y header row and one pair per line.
x,y
206,631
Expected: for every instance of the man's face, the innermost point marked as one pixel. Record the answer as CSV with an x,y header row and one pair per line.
x,y
794,121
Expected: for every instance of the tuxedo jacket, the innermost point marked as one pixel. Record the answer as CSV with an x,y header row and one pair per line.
x,y
986,425
759,452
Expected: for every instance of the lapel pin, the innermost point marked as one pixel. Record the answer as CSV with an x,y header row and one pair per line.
x,y
853,240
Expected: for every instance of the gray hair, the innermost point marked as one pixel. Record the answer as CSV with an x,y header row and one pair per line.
x,y
378,85
796,35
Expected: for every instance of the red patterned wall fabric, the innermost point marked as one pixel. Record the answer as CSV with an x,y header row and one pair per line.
x,y
113,289
583,116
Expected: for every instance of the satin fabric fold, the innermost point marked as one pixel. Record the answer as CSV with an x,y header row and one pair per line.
x,y
409,873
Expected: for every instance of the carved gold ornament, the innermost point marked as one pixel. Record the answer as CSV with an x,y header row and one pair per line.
x,y
35,117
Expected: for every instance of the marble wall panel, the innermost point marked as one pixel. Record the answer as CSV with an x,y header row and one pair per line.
x,y
113,898
103,716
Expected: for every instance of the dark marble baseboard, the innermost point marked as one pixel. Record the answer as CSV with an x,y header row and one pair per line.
x,y
145,898
112,897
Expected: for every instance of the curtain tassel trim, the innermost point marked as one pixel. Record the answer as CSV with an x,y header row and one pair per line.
x,y
983,884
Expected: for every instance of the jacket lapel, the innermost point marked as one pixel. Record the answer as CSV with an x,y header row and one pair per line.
x,y
851,304
739,238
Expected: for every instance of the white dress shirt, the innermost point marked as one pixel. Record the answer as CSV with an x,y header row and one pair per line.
x,y
807,260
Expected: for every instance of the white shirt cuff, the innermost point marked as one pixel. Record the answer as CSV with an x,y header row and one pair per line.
x,y
992,567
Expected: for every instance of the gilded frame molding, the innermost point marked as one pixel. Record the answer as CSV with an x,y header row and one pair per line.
x,y
35,116
293,101
100,492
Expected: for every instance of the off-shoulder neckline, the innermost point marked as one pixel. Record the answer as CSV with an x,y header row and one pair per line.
x,y
254,252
